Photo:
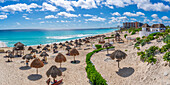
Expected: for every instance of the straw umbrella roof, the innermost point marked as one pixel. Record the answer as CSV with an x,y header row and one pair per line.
x,y
34,51
145,25
44,54
18,43
69,44
106,45
118,54
68,47
45,48
60,43
80,40
8,51
30,48
55,44
38,47
71,41
55,47
84,40
37,63
158,26
63,45
54,72
87,41
47,45
27,56
117,35
11,55
66,42
60,58
74,52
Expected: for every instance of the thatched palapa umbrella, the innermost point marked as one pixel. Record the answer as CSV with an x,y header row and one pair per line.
x,y
119,55
60,58
28,57
44,54
38,47
30,48
54,72
68,49
55,44
60,43
37,63
74,53
106,45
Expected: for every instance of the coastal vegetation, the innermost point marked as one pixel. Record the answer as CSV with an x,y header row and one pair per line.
x,y
94,76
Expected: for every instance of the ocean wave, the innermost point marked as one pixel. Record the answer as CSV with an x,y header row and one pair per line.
x,y
3,44
69,36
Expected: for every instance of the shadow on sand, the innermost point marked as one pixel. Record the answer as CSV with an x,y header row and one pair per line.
x,y
75,62
34,77
25,68
125,72
63,69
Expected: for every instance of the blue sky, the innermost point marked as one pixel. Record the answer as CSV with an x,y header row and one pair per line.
x,y
72,14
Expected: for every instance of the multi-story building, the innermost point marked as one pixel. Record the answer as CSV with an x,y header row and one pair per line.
x,y
132,25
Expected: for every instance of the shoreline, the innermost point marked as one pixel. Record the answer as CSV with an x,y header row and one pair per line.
x,y
66,40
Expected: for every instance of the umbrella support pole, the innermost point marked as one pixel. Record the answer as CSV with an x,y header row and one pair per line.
x,y
60,65
37,70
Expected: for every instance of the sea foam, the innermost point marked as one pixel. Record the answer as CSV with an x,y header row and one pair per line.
x,y
68,36
2,44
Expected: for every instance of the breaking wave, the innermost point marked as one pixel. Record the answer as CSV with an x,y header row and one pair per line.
x,y
3,44
69,36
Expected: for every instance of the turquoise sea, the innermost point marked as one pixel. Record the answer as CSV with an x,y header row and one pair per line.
x,y
36,37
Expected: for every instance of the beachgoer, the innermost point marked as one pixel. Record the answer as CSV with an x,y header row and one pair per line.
x,y
27,62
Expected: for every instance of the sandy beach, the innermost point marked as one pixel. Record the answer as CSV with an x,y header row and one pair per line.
x,y
132,71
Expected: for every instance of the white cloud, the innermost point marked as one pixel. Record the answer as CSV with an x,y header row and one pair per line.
x,y
118,19
87,15
18,23
165,18
46,6
118,3
63,3
86,4
134,14
146,20
3,16
148,6
19,7
167,0
65,14
26,17
116,13
111,7
42,22
133,19
95,19
50,16
154,16
2,1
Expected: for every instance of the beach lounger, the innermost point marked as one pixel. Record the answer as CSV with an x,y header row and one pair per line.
x,y
59,82
2,51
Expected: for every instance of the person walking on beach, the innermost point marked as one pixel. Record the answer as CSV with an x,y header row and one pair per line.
x,y
27,62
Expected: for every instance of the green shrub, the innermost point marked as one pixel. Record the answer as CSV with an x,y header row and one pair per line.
x,y
108,37
130,31
98,46
125,35
167,39
150,37
133,32
151,59
143,43
126,50
147,40
143,36
94,76
166,57
138,38
138,48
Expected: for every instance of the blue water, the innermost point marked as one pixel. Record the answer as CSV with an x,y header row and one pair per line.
x,y
36,37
